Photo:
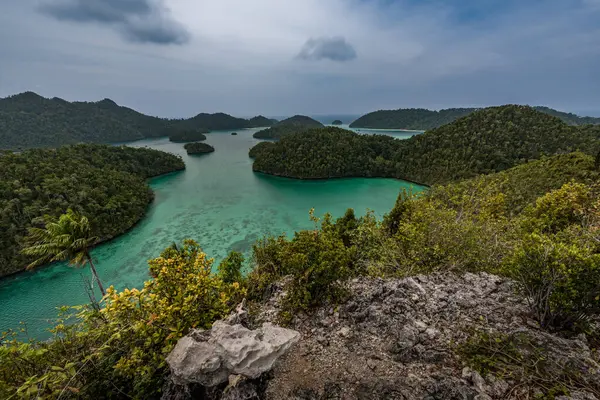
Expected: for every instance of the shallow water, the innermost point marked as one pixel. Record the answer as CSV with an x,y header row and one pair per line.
x,y
217,200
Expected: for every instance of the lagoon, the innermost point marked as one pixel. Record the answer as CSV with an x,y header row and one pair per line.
x,y
217,201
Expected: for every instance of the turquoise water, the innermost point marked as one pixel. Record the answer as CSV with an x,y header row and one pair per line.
x,y
217,200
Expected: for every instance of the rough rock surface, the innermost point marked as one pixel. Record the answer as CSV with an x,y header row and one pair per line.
x,y
209,357
396,339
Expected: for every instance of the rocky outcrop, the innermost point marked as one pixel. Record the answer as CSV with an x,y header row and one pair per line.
x,y
398,339
228,352
391,339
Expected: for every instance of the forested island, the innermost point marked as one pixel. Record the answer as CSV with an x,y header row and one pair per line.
x,y
105,183
422,119
188,136
198,148
28,120
295,124
337,122
261,122
486,141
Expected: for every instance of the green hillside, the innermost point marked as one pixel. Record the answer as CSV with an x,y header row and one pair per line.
x,y
422,119
487,141
295,124
28,120
105,183
410,118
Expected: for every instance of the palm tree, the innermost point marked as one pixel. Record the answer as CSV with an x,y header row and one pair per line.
x,y
67,239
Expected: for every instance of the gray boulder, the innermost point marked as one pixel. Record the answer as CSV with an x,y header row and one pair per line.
x,y
209,357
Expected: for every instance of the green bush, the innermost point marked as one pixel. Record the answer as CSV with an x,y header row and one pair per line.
x,y
570,205
561,280
119,351
556,260
317,261
230,269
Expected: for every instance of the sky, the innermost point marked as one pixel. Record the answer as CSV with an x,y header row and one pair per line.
x,y
176,58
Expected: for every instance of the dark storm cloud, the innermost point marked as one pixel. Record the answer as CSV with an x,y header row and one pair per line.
x,y
141,21
324,48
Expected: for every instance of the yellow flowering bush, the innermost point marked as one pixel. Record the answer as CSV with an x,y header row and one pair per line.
x,y
184,294
122,347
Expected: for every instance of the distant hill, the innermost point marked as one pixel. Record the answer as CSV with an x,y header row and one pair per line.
x,y
187,136
570,118
490,140
486,141
295,124
422,119
410,118
261,122
28,120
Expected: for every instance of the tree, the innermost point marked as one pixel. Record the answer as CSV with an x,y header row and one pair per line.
x,y
69,238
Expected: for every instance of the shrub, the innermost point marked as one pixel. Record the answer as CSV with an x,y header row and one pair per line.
x,y
317,261
402,208
557,259
561,280
570,205
122,347
230,269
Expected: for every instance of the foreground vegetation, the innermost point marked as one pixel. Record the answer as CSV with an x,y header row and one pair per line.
x,y
537,223
104,183
295,124
422,119
487,141
28,120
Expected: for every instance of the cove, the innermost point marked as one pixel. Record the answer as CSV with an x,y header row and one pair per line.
x,y
217,201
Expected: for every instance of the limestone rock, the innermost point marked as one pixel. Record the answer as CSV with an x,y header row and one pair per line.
x,y
209,357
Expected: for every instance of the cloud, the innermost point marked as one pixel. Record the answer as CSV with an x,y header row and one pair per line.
x,y
141,21
245,59
327,48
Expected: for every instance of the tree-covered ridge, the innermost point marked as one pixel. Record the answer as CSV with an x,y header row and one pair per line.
x,y
522,185
490,140
28,120
104,183
198,148
569,118
187,136
410,118
261,122
295,124
422,119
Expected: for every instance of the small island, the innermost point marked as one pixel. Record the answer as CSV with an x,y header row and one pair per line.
x,y
337,122
233,133
198,148
188,136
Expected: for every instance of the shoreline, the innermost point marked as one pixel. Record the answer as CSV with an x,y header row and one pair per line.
x,y
107,239
339,177
389,129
